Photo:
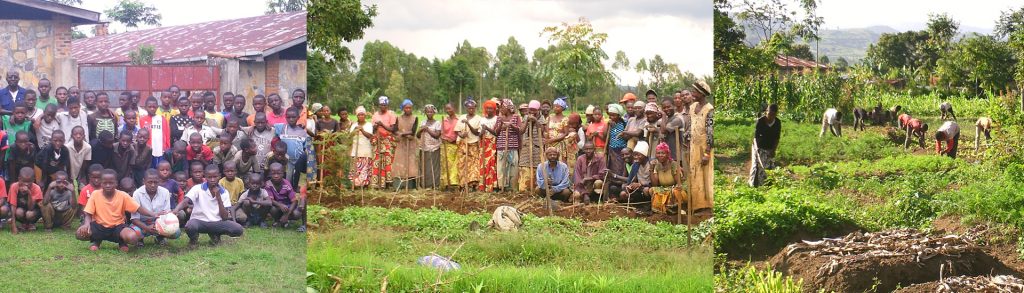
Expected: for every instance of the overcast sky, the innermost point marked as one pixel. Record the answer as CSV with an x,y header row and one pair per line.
x,y
180,12
912,14
680,31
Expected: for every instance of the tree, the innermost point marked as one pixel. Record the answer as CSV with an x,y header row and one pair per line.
x,y
941,30
1010,21
978,62
824,59
512,70
641,68
143,55
396,86
332,22
802,51
842,63
67,2
769,17
131,13
318,74
577,66
282,6
896,51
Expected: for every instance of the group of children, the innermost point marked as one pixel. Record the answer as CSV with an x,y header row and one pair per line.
x,y
217,171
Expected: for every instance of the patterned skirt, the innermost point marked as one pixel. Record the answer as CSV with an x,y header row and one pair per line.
x,y
489,162
383,149
469,162
661,196
360,173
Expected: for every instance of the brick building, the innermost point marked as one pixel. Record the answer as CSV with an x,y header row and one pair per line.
x,y
36,40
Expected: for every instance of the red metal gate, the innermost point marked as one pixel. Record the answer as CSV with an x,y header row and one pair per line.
x,y
149,80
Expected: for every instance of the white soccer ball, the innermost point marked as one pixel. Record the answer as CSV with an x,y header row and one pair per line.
x,y
167,225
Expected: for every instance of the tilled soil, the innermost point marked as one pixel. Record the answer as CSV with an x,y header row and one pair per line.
x,y
885,260
484,203
985,284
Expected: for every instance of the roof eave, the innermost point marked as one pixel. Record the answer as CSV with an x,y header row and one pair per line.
x,y
78,16
284,46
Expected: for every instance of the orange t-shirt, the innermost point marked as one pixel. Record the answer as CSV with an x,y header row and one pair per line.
x,y
110,212
34,192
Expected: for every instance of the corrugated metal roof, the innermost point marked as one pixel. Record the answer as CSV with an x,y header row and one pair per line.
x,y
793,62
252,36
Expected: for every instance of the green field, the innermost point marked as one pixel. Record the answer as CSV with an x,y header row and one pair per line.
x,y
360,248
262,260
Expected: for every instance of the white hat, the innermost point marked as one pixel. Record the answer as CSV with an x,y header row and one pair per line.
x,y
641,147
639,104
590,110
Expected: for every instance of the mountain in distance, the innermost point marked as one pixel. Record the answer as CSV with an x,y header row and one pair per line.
x,y
849,43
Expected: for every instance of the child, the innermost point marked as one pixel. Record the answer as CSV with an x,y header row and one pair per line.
x,y
58,206
210,205
247,162
167,181
197,151
95,172
158,129
276,114
18,122
24,197
89,101
130,123
180,121
207,133
239,114
53,158
232,127
62,98
178,157
229,105
259,105
233,184
181,178
46,124
254,204
299,104
22,155
73,118
279,155
214,119
225,151
103,120
143,156
104,216
124,156
262,136
80,154
126,184
30,104
281,192
196,175
154,198
299,145
167,108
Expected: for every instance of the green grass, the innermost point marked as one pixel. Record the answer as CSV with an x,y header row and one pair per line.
x,y
363,245
262,260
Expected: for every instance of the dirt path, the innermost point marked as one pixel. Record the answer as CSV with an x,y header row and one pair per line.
x,y
483,203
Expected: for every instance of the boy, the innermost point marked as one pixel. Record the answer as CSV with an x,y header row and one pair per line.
x,y
238,113
197,151
299,145
154,198
58,206
178,157
210,204
213,118
180,121
282,194
89,103
80,154
299,104
207,133
104,216
143,156
24,197
95,172
276,114
33,112
225,151
167,181
254,204
262,136
279,155
103,120
18,122
195,175
53,158
62,98
159,139
229,105
46,124
233,184
130,123
232,127
103,150
124,156
247,162
22,155
259,105
167,105
73,118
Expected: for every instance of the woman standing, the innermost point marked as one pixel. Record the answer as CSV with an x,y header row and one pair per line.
x,y
449,148
383,143
531,152
470,152
430,145
362,150
702,166
559,135
405,148
489,150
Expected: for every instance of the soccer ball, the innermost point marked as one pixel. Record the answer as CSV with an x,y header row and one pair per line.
x,y
167,225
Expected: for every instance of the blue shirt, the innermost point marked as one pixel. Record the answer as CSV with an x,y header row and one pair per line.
x,y
559,176
7,101
614,129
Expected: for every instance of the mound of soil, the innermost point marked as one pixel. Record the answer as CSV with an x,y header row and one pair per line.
x,y
884,260
485,203
993,284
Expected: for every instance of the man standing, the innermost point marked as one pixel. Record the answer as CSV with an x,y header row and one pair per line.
x,y
766,141
13,93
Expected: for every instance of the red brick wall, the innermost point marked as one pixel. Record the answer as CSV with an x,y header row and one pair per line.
x,y
62,36
272,75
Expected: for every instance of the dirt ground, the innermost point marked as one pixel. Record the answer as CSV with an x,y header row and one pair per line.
x,y
484,203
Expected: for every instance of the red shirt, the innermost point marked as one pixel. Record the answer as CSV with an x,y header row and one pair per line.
x,y
145,121
34,192
83,197
600,128
205,154
914,123
904,119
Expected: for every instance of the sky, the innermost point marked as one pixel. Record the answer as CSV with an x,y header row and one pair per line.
x,y
179,12
912,14
680,31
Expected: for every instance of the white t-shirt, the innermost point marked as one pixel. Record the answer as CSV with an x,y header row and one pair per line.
x,y
474,123
204,206
830,116
490,124
360,142
950,128
67,123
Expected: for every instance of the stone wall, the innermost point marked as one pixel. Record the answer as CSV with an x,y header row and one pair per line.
x,y
38,49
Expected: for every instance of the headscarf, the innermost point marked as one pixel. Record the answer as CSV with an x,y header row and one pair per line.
x,y
406,102
652,107
507,104
523,106
702,87
560,101
469,102
490,104
616,108
316,107
429,107
642,147
534,104
628,97
360,110
382,100
589,110
664,147
639,104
